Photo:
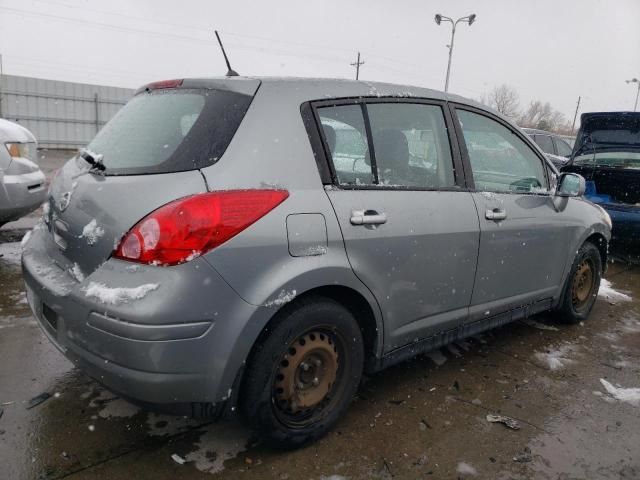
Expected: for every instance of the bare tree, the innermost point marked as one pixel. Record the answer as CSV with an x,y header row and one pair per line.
x,y
504,99
543,116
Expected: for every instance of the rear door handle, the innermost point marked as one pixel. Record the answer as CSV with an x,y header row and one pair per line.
x,y
367,217
496,214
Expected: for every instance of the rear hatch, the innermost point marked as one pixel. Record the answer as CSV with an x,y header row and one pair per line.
x,y
149,154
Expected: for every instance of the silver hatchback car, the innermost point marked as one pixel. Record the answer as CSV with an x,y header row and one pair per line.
x,y
261,242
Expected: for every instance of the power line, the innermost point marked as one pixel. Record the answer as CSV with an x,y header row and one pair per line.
x,y
337,59
205,30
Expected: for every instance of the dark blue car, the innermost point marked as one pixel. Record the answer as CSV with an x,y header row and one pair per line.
x,y
607,155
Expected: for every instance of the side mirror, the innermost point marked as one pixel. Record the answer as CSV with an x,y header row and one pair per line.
x,y
570,185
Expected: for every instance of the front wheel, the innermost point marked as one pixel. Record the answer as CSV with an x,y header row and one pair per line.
x,y
582,285
304,373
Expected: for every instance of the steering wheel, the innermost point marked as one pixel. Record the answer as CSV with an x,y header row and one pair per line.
x,y
525,184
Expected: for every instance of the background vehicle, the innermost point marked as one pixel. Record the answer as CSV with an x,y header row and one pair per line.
x,y
607,154
556,148
22,184
270,263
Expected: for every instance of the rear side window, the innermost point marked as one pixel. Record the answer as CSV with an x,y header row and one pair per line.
x,y
545,143
170,130
346,138
500,161
564,150
410,145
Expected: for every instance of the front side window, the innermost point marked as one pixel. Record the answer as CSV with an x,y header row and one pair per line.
x,y
410,145
500,160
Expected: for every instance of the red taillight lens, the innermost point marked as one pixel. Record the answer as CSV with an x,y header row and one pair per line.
x,y
186,228
164,84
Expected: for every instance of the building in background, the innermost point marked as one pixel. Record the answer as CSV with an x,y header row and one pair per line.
x,y
60,114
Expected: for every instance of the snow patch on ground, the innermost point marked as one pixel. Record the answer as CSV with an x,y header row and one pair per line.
x,y
220,443
607,292
464,468
627,395
538,325
116,295
10,252
630,323
118,408
109,405
92,232
556,359
282,298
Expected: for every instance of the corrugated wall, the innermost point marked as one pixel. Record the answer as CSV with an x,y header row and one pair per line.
x,y
60,114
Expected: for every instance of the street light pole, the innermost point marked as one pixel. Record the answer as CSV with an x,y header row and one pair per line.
x,y
441,18
635,80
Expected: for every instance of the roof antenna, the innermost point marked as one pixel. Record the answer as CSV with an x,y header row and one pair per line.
x,y
230,71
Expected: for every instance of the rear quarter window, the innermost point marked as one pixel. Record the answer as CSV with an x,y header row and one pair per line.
x,y
170,130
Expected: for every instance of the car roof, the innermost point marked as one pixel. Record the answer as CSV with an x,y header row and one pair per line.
x,y
538,131
327,88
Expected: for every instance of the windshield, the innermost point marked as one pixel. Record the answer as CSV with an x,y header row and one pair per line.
x,y
629,160
169,131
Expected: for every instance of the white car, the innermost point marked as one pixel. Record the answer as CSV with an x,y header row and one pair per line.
x,y
22,183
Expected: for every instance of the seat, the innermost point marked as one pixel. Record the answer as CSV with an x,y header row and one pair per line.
x,y
392,157
330,136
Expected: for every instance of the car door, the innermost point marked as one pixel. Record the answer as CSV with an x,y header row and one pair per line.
x,y
411,232
523,238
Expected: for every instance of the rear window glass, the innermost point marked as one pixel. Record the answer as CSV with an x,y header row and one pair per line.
x,y
170,131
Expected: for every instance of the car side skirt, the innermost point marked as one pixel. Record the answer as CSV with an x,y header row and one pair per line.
x,y
463,331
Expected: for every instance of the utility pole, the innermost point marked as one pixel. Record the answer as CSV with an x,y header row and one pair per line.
x,y
1,84
357,65
575,115
635,80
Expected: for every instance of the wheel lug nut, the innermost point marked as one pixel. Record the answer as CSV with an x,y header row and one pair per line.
x,y
318,362
315,381
305,366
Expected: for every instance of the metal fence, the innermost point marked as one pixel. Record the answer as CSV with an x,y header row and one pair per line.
x,y
59,114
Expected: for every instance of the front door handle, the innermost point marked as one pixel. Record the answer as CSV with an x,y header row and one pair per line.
x,y
367,217
496,214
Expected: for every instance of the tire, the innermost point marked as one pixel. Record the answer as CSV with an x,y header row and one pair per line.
x,y
581,288
295,388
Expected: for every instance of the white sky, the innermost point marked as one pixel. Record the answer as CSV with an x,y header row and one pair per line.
x,y
552,50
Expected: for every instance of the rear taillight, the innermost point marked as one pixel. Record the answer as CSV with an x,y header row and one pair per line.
x,y
186,228
163,84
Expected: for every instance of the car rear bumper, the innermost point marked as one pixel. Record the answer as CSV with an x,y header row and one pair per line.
x,y
177,344
21,194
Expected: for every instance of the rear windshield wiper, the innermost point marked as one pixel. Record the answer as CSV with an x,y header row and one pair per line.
x,y
94,159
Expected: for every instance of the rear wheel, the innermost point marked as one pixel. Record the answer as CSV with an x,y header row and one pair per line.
x,y
582,285
304,373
